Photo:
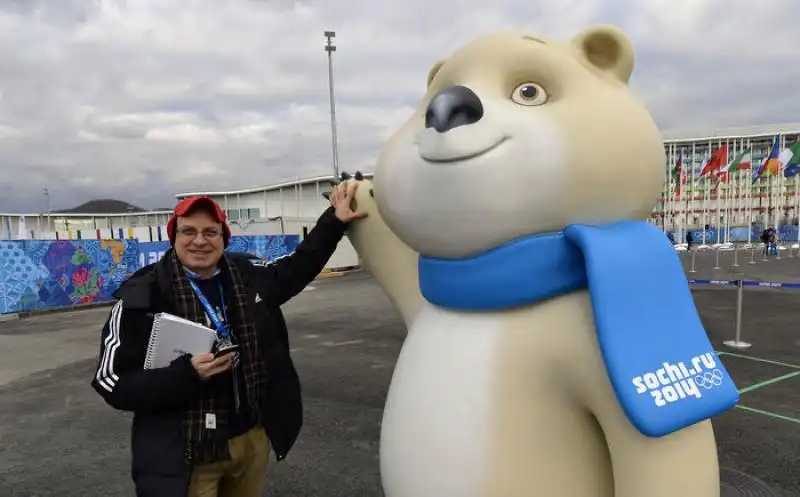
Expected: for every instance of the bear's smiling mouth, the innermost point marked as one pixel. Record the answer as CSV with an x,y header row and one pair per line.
x,y
461,157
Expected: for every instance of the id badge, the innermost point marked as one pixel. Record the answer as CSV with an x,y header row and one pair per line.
x,y
211,421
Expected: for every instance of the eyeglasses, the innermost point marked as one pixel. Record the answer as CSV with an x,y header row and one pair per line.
x,y
208,233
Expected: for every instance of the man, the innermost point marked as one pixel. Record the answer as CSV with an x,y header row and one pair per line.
x,y
765,238
204,426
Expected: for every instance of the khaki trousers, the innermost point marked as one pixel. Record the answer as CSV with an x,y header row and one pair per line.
x,y
244,475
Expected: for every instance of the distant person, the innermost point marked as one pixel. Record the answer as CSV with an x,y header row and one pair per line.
x,y
204,426
689,240
765,238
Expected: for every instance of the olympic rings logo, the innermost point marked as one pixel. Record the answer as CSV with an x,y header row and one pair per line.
x,y
709,379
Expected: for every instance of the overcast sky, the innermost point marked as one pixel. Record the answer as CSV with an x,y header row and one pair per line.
x,y
142,99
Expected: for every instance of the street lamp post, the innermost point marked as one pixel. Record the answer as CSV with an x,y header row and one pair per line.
x,y
330,48
47,201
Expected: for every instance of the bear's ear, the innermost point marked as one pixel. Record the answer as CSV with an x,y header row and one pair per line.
x,y
434,71
608,49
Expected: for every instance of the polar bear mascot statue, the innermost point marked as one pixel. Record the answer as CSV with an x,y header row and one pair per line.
x,y
553,347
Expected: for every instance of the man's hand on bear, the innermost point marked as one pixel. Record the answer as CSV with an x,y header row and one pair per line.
x,y
342,199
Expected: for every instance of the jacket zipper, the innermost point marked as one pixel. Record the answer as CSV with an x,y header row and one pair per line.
x,y
237,401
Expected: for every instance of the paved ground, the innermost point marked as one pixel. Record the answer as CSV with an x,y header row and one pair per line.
x,y
59,439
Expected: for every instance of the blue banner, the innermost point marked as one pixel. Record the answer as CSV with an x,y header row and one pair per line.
x,y
732,234
265,247
40,274
762,284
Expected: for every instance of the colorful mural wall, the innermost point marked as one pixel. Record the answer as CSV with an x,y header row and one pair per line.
x,y
265,246
40,274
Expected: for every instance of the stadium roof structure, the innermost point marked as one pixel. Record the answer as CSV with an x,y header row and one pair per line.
x,y
267,188
735,132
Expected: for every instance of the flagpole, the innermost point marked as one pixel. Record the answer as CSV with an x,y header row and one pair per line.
x,y
729,187
741,197
721,194
776,193
789,162
749,199
679,197
741,193
676,189
684,196
718,221
797,208
733,197
734,203
667,203
777,184
671,192
771,205
782,196
784,203
706,195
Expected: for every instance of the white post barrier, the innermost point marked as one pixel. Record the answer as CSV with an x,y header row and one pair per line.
x,y
737,343
735,256
752,254
693,270
716,259
777,251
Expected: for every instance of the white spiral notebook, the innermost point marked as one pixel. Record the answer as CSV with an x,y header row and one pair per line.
x,y
173,336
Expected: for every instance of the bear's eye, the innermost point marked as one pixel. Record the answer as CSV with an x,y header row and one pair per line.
x,y
529,94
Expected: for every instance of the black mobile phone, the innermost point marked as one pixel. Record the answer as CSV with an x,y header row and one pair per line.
x,y
226,350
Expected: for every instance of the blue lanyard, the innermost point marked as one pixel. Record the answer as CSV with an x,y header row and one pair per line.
x,y
222,330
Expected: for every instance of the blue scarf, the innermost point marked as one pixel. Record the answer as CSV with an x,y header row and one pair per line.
x,y
658,357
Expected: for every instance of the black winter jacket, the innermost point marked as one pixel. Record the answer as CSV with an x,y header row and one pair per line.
x,y
157,397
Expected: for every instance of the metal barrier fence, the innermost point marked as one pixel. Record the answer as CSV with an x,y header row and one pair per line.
x,y
753,248
737,342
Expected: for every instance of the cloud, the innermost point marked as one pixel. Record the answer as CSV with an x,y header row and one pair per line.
x,y
139,100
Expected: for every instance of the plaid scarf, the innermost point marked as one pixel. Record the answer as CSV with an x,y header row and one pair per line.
x,y
210,445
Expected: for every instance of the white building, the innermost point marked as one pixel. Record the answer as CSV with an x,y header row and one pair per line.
x,y
273,209
253,209
738,202
293,207
85,226
284,208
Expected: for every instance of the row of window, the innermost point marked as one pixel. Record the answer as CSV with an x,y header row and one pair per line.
x,y
758,151
735,220
243,214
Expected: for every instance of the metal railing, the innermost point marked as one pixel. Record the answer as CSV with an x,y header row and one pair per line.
x,y
736,250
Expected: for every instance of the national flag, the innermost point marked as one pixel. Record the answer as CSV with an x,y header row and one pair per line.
x,y
771,163
740,162
722,175
790,158
678,175
718,159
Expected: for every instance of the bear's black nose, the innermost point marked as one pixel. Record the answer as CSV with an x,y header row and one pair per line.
x,y
453,107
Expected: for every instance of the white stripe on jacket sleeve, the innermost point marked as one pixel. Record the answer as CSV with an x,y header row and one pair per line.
x,y
105,372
